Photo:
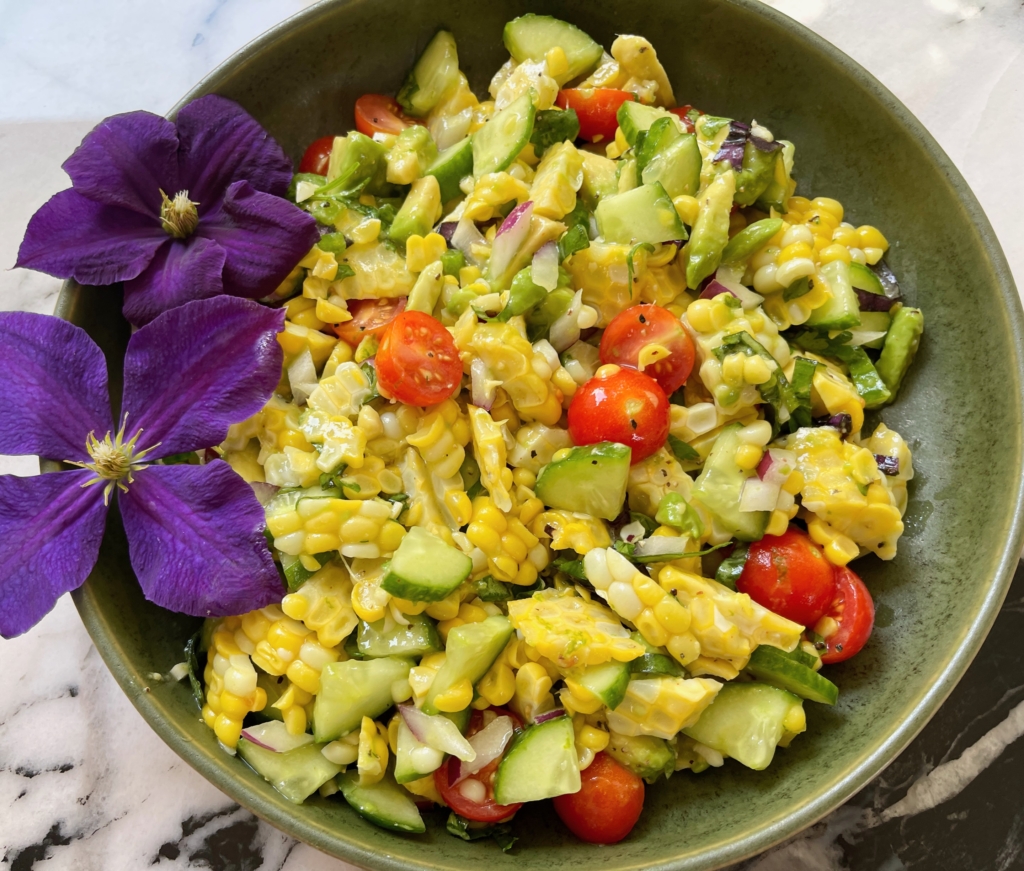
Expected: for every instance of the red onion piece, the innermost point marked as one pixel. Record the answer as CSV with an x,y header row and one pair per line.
x,y
544,270
776,466
510,238
873,302
273,736
842,422
715,288
489,743
888,465
764,465
763,144
548,715
447,229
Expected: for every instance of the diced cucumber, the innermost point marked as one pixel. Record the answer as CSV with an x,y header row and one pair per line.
x,y
781,187
384,803
875,322
653,665
451,167
296,774
866,379
499,141
676,167
425,568
900,346
634,117
469,653
607,681
591,479
863,278
552,126
417,639
541,763
435,73
531,37
842,311
413,758
352,690
644,214
782,670
646,756
719,484
661,134
747,722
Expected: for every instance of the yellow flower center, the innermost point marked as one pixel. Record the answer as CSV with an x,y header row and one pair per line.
x,y
178,217
114,460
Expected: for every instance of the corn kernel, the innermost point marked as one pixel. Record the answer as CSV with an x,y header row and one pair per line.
x,y
778,523
834,252
721,315
699,315
651,629
557,62
456,699
870,237
647,590
672,616
872,255
833,207
295,720
303,676
228,730
793,252
687,208
593,739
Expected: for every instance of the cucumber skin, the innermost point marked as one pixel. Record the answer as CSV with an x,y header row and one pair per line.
x,y
608,681
364,801
611,458
376,675
494,634
422,550
451,166
784,671
508,778
582,52
487,155
262,761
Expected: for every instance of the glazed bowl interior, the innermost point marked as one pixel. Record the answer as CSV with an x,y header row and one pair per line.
x,y
960,408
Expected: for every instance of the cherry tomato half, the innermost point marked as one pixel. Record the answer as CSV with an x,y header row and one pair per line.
x,y
681,112
417,361
620,405
596,108
317,156
376,113
789,575
369,318
641,325
608,804
854,612
485,810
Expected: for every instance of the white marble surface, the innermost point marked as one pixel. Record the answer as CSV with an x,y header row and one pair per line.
x,y
84,783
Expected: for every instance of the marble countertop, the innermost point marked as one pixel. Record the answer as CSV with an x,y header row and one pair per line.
x,y
86,785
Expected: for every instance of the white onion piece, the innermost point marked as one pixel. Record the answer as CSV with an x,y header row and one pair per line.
x,y
467,235
510,238
437,732
780,466
632,531
548,352
544,270
263,492
273,735
565,331
489,743
302,377
483,388
758,495
660,545
729,278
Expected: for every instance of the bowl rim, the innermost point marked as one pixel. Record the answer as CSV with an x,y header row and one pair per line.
x,y
209,762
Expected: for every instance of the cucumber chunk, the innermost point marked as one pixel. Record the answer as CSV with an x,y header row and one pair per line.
x,y
451,167
644,214
469,653
499,141
646,756
842,311
718,488
676,167
531,37
425,568
384,803
607,681
635,117
352,690
901,343
591,479
541,763
421,208
655,665
875,322
415,640
780,669
435,73
863,278
748,721
296,774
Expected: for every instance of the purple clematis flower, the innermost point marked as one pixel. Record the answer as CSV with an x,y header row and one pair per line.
x,y
177,211
195,532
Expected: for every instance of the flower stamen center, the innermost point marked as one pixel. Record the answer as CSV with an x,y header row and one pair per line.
x,y
114,460
178,217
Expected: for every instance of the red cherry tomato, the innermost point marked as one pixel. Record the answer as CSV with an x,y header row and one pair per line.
x,y
620,405
485,811
417,361
789,575
369,318
376,113
854,612
608,804
641,325
681,113
317,156
596,108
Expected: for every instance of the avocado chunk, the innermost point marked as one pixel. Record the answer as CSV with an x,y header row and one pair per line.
x,y
469,654
646,756
419,211
425,568
901,343
590,479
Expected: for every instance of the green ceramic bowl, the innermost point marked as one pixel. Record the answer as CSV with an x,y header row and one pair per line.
x,y
960,409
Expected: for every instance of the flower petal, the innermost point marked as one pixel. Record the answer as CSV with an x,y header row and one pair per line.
x,y
50,533
73,237
55,385
221,143
126,160
264,236
182,271
197,369
195,537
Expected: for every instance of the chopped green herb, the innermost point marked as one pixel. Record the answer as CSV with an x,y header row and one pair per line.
x,y
682,451
732,566
192,661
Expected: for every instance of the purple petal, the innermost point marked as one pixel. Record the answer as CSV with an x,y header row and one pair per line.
x,y
182,271
221,143
195,537
55,384
73,237
50,533
197,369
264,236
126,161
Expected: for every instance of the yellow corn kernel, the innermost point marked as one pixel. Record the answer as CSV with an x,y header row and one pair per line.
x,y
524,478
209,717
287,634
732,370
651,629
557,62
484,537
870,237
647,590
847,236
748,456
794,483
460,506
391,535
456,699
446,609
593,739
234,706
295,720
834,252
498,686
468,274
672,616
833,207
526,576
529,510
227,729
872,255
793,252
699,316
839,548
778,523
687,208
303,676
